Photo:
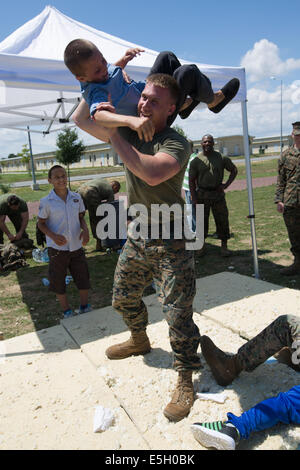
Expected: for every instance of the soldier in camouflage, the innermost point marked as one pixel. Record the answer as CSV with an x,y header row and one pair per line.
x,y
207,188
280,339
287,197
155,168
94,193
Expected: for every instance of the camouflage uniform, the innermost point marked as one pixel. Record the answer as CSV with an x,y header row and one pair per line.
x,y
93,194
288,192
164,260
209,172
14,215
279,334
172,268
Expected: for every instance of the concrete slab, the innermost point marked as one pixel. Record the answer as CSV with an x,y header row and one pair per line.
x,y
52,380
144,384
48,395
243,304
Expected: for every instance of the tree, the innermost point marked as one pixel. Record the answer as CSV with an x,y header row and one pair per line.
x,y
12,155
180,130
69,148
25,157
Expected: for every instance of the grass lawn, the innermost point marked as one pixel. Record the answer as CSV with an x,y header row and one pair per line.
x,y
26,305
18,177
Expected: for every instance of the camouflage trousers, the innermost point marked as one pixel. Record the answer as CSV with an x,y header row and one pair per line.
x,y
291,217
219,209
279,334
172,269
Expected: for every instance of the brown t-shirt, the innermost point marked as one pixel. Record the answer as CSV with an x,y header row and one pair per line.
x,y
169,192
209,170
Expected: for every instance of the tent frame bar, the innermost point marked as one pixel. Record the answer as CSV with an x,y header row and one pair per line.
x,y
251,215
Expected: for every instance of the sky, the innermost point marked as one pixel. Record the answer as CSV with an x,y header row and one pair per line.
x,y
262,36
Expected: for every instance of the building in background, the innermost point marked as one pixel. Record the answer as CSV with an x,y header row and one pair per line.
x,y
100,155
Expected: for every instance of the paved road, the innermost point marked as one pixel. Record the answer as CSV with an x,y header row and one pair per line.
x,y
122,173
21,184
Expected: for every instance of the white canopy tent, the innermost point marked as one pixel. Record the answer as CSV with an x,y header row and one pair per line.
x,y
39,94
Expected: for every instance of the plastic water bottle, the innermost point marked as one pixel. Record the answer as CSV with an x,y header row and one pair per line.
x,y
68,279
40,256
45,281
36,255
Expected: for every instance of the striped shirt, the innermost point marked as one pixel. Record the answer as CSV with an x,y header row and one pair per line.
x,y
185,184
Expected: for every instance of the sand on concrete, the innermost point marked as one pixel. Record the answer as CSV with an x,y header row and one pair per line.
x,y
52,380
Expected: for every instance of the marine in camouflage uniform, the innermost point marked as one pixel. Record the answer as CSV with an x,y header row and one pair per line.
x,y
287,197
166,261
206,185
94,193
280,339
16,210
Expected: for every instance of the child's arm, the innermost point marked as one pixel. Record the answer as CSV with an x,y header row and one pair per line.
x,y
84,235
58,239
105,118
129,55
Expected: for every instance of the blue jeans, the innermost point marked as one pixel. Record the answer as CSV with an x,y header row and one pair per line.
x,y
191,216
284,408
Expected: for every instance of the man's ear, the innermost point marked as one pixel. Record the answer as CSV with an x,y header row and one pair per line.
x,y
172,109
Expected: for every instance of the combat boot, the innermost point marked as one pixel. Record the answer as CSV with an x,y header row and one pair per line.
x,y
224,367
284,356
293,269
137,344
183,397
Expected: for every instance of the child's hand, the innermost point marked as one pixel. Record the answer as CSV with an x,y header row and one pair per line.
x,y
106,105
84,236
59,240
132,53
143,126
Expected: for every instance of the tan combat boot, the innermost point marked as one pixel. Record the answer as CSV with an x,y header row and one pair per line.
x,y
293,269
224,367
284,356
183,397
137,344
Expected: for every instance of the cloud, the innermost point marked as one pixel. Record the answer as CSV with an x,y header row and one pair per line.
x,y
264,60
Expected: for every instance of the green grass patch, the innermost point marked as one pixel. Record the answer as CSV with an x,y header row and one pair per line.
x,y
27,305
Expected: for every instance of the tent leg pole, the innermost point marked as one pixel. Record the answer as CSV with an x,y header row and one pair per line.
x,y
34,185
249,186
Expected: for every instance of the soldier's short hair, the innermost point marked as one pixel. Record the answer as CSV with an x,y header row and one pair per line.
x,y
165,81
13,200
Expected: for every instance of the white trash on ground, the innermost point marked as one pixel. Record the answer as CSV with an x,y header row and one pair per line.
x,y
217,397
103,418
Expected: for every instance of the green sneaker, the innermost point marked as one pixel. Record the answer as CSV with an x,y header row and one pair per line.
x,y
217,434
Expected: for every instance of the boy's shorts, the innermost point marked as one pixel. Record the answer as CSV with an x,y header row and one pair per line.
x,y
59,263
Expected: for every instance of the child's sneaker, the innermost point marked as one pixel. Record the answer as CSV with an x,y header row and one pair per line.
x,y
217,434
84,309
68,313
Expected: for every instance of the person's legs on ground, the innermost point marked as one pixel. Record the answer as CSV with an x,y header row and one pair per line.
x,y
284,408
57,271
132,275
221,216
79,271
291,217
207,206
281,333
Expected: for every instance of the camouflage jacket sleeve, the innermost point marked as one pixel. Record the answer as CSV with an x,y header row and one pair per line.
x,y
288,181
281,180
